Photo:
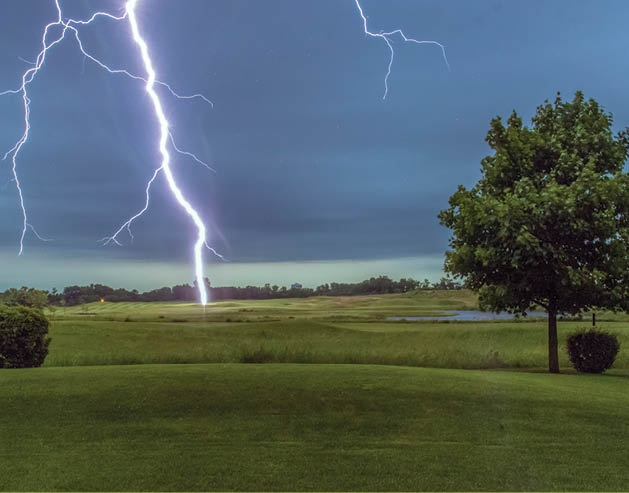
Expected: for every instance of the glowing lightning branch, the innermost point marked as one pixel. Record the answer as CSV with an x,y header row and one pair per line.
x,y
27,78
151,82
386,37
127,224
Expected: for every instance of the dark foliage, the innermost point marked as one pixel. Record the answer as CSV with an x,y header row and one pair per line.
x,y
23,337
592,351
77,295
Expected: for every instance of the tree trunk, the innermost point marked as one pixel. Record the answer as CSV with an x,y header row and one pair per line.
x,y
553,347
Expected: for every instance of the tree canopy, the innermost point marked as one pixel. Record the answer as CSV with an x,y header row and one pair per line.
x,y
548,222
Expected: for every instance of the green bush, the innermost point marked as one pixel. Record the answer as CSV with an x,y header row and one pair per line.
x,y
592,351
23,337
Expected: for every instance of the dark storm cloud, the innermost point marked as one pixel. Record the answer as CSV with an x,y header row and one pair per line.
x,y
310,163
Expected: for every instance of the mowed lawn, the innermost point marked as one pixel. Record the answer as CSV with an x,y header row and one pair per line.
x,y
311,427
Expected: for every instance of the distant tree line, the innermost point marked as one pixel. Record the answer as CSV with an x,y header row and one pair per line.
x,y
77,295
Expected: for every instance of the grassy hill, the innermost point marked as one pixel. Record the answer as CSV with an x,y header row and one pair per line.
x,y
311,427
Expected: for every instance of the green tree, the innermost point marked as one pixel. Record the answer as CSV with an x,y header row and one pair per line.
x,y
548,222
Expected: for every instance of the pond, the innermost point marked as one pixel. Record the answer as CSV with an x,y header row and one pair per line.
x,y
470,315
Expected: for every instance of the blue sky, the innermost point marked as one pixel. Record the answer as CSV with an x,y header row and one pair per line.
x,y
317,178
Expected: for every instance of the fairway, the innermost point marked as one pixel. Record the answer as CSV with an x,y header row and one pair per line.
x,y
373,307
305,427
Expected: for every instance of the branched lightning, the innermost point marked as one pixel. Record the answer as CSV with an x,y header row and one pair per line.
x,y
386,37
189,154
39,237
150,81
60,27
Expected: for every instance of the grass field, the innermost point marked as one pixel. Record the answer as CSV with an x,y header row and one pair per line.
x,y
388,406
313,330
432,344
311,427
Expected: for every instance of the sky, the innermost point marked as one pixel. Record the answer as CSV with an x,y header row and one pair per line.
x,y
317,178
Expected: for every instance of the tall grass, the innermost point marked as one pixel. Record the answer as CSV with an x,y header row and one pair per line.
x,y
429,344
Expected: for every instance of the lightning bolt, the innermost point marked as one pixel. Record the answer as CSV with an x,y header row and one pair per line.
x,y
151,82
386,37
65,26
163,141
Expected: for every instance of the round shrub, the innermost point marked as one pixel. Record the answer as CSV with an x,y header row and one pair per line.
x,y
23,337
592,351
